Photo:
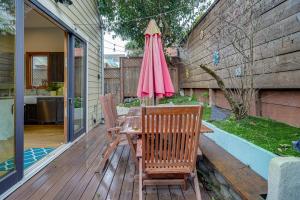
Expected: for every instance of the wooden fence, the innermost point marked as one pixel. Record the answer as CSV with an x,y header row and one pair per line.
x,y
123,81
112,83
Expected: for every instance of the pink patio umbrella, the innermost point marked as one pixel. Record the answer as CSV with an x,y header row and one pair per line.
x,y
155,80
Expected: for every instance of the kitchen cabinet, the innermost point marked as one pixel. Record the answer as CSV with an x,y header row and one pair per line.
x,y
60,110
45,110
30,116
56,67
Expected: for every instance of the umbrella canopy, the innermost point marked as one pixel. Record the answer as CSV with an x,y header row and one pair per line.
x,y
155,80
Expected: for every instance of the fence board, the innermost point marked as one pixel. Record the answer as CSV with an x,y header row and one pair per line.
x,y
122,82
112,83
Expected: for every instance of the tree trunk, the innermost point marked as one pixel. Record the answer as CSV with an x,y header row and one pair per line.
x,y
238,109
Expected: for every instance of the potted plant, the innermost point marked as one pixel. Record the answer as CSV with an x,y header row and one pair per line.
x,y
52,88
78,108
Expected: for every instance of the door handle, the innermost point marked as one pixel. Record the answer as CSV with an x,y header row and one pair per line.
x,y
70,101
12,109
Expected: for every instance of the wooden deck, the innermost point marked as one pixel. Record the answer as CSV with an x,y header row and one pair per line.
x,y
72,176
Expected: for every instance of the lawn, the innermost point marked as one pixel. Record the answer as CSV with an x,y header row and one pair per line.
x,y
268,134
271,135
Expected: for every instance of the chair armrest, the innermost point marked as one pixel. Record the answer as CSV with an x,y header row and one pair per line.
x,y
139,151
117,128
121,120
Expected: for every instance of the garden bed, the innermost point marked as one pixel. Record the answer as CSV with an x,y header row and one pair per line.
x,y
273,136
251,155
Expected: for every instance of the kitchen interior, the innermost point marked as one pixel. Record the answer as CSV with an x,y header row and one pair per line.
x,y
44,87
44,121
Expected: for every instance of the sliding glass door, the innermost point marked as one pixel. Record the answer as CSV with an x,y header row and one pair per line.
x,y
77,86
11,92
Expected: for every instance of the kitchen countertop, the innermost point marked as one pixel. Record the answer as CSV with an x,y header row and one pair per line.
x,y
33,99
42,96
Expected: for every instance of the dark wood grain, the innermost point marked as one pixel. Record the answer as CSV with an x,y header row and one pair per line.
x,y
151,193
128,182
73,175
73,155
56,67
116,185
104,187
93,185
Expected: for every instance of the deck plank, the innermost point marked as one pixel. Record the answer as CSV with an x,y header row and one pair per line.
x,y
104,187
67,189
84,181
176,192
93,159
92,187
116,185
80,149
150,192
163,192
128,183
135,193
73,176
189,193
59,178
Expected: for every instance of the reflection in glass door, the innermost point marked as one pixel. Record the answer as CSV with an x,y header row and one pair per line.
x,y
7,96
77,86
11,96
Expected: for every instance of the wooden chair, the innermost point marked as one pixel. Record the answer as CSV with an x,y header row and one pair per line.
x,y
112,130
112,104
170,137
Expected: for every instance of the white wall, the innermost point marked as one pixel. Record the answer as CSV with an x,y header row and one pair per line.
x,y
44,40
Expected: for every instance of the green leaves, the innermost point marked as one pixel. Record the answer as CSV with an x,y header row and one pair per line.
x,y
7,17
129,18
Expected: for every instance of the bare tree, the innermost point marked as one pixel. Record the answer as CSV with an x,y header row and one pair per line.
x,y
233,40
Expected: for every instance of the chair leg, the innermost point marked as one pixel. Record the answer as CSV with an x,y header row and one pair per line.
x,y
109,150
185,183
197,188
140,180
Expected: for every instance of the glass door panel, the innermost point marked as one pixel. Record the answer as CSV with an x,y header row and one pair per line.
x,y
11,149
7,87
77,86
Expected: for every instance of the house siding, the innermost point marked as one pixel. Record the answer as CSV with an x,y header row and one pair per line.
x,y
276,53
84,18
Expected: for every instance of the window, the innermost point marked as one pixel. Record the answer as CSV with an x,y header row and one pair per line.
x,y
37,74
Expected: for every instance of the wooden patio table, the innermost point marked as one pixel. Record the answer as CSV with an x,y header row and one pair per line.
x,y
132,128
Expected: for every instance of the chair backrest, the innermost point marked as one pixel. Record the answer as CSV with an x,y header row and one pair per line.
x,y
170,137
112,104
109,119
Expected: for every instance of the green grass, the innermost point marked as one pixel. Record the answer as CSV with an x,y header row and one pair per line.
x,y
271,135
180,100
133,103
206,113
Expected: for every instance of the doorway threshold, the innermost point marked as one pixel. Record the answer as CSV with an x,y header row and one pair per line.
x,y
39,165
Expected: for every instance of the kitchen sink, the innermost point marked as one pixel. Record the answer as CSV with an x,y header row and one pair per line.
x,y
30,100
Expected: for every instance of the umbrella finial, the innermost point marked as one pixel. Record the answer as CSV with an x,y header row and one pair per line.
x,y
152,28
